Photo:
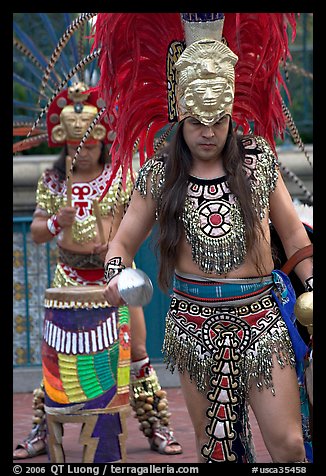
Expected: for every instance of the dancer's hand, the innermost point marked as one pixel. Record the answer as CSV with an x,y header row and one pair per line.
x,y
66,216
111,293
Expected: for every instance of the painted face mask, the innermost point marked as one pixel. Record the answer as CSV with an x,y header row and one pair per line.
x,y
205,73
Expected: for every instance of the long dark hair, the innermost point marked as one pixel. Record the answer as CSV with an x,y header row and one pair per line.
x,y
60,164
178,163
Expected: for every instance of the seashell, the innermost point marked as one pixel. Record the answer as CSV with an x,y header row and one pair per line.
x,y
145,424
160,393
38,394
152,419
139,404
142,396
143,417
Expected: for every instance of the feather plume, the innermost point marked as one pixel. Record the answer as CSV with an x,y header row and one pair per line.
x,y
52,38
22,130
75,51
294,131
29,143
27,106
72,28
261,42
23,49
29,58
63,83
81,45
292,176
29,44
133,79
27,84
33,61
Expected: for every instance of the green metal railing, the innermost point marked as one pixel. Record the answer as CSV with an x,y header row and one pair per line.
x,y
33,272
28,288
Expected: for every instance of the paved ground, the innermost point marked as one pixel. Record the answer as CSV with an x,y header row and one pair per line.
x,y
137,446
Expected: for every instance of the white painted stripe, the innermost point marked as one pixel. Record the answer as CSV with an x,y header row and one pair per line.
x,y
105,335
54,335
58,342
80,343
108,323
99,338
94,343
50,332
68,342
114,325
87,346
46,331
63,341
74,343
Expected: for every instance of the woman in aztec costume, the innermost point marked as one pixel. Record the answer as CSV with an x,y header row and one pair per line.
x,y
75,121
231,330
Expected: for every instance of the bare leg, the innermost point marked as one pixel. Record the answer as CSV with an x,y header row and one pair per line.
x,y
138,332
197,405
278,415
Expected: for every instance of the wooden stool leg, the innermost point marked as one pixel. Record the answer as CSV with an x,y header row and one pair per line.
x,y
85,439
104,438
55,433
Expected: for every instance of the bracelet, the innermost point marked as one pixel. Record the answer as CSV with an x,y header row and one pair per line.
x,y
308,284
112,268
53,225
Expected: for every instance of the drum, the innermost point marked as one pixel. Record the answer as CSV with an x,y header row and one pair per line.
x,y
86,371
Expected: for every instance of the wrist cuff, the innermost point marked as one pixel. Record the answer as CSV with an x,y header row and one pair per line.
x,y
308,284
53,225
112,268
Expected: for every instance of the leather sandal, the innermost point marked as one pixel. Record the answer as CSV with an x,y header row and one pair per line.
x,y
29,445
167,440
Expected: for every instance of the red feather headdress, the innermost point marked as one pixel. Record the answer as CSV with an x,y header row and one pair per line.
x,y
260,40
134,84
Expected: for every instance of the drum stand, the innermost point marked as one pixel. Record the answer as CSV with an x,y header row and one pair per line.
x,y
103,436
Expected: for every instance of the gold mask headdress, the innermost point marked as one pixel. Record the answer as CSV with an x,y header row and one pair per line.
x,y
190,69
205,71
71,114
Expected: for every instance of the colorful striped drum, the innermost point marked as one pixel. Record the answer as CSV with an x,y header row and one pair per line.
x,y
86,371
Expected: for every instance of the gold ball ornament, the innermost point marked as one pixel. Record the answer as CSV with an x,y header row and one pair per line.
x,y
303,310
